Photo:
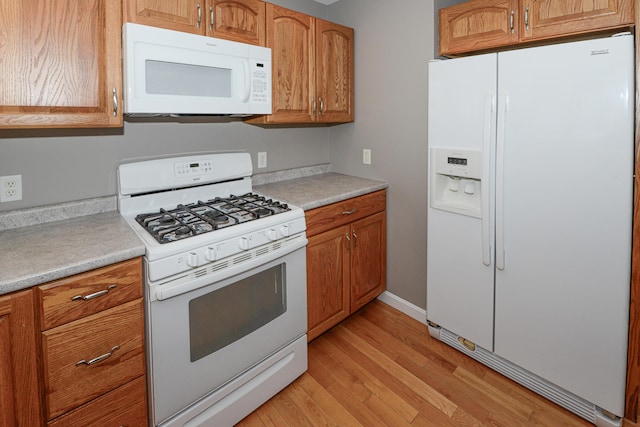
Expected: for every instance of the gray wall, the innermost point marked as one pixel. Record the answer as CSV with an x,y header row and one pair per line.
x,y
394,42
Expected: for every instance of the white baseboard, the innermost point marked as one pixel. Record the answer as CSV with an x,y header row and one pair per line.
x,y
404,306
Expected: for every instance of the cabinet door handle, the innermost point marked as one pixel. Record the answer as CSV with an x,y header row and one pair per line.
x,y
99,358
115,102
93,295
348,241
352,211
199,15
355,239
526,18
314,107
511,21
321,105
211,17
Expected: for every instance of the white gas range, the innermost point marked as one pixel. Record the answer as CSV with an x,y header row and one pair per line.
x,y
225,286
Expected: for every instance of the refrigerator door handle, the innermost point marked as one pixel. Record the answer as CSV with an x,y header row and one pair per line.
x,y
503,106
485,187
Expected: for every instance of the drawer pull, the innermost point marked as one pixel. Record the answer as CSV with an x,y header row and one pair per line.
x,y
93,295
99,358
352,211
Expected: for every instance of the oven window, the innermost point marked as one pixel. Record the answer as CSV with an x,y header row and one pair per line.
x,y
222,317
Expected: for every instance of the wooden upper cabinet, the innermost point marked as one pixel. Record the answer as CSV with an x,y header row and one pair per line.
x,y
61,63
291,37
178,15
238,20
489,24
334,72
551,18
477,25
312,63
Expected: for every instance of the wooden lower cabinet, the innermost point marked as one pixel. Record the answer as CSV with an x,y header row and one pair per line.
x,y
92,343
124,406
346,259
20,400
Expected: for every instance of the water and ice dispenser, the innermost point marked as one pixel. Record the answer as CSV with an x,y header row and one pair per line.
x,y
455,180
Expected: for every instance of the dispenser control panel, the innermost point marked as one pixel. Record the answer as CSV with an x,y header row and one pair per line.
x,y
456,180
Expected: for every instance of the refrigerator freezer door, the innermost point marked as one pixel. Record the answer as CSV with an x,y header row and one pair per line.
x,y
459,271
562,299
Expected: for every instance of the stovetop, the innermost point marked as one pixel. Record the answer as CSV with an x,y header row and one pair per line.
x,y
205,216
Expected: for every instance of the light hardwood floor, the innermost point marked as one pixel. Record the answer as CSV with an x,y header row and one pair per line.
x,y
381,368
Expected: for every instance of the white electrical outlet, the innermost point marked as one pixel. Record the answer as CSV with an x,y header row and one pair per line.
x,y
262,159
10,188
366,156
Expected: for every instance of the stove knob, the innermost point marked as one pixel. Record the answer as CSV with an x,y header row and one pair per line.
x,y
284,230
210,254
244,243
192,259
272,234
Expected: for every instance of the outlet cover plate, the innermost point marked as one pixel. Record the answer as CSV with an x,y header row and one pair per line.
x,y
10,188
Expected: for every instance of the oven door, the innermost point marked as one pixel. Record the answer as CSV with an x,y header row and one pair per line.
x,y
201,339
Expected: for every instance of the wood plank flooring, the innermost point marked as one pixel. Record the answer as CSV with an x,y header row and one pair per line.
x,y
381,368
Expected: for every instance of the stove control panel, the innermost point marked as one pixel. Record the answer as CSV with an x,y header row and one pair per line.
x,y
193,168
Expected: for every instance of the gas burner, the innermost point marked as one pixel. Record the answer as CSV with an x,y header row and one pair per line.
x,y
202,217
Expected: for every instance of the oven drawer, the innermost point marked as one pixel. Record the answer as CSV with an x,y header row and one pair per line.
x,y
124,406
341,213
111,345
84,294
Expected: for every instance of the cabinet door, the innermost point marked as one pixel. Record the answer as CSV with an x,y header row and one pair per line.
x,y
477,25
179,15
291,37
327,280
334,75
19,388
368,259
552,18
61,63
239,20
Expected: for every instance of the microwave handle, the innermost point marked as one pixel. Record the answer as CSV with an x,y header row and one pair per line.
x,y
247,81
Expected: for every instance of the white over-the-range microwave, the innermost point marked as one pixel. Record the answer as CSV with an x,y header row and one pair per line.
x,y
175,73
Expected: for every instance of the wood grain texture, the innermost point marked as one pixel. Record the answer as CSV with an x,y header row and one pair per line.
x,y
551,18
381,368
61,61
68,385
239,20
178,15
20,397
368,259
328,273
55,298
124,406
477,25
334,75
344,212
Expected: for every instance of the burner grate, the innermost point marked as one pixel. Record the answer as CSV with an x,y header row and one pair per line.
x,y
202,217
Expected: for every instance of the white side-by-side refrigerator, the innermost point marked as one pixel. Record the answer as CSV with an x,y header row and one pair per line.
x,y
529,217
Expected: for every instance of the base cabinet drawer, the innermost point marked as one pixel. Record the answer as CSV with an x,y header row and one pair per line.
x,y
92,356
125,406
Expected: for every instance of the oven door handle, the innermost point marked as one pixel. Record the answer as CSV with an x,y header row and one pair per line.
x,y
169,291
